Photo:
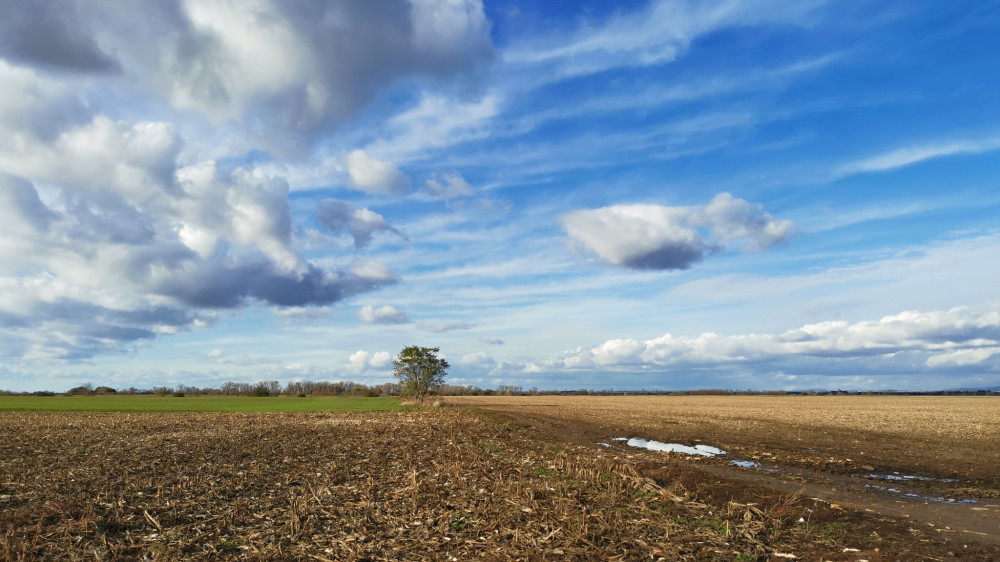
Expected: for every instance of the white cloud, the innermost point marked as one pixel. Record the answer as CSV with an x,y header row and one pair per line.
x,y
374,176
440,26
449,186
35,107
361,361
302,314
479,360
362,224
101,224
734,220
963,357
907,156
658,95
382,315
657,34
660,237
440,327
291,67
380,359
358,361
435,122
959,337
101,155
374,272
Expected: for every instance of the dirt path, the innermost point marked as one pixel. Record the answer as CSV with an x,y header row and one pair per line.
x,y
972,520
979,521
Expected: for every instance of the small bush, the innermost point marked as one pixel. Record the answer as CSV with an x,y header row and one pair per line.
x,y
178,394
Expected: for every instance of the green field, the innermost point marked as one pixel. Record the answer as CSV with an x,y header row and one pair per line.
x,y
194,404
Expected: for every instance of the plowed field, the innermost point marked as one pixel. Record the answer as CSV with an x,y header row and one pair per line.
x,y
441,484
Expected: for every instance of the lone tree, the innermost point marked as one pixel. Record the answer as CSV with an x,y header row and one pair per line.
x,y
419,370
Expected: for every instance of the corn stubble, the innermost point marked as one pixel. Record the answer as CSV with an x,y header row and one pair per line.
x,y
441,484
944,436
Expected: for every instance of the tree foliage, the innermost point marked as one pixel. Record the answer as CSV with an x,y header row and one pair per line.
x,y
419,370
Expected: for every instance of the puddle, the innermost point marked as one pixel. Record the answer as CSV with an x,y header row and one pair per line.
x,y
913,496
699,450
898,477
854,481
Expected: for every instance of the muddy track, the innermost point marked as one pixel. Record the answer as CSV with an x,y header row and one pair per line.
x,y
969,520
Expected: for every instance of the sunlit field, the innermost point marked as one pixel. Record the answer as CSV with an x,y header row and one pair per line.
x,y
944,435
440,484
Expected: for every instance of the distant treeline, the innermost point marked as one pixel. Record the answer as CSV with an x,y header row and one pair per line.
x,y
348,388
259,388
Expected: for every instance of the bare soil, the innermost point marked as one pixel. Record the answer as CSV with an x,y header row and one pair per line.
x,y
929,463
441,484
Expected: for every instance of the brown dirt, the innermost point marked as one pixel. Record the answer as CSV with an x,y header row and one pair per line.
x,y
438,484
811,445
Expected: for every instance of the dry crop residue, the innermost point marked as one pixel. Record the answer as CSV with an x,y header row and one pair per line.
x,y
442,485
933,435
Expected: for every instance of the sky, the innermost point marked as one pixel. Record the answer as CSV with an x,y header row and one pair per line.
x,y
665,194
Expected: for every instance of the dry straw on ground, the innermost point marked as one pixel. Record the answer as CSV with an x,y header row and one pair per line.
x,y
948,436
439,484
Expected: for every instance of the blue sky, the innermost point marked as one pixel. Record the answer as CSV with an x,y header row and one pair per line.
x,y
658,195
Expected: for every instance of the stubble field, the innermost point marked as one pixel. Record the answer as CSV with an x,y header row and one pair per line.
x,y
949,437
437,484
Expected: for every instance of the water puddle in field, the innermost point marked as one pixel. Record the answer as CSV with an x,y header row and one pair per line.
x,y
698,450
913,496
893,486
899,477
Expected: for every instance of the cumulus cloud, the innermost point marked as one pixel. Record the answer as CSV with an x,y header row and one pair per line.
x,y
33,106
20,206
361,360
294,66
362,224
115,228
50,35
143,248
382,315
375,176
479,360
961,337
661,237
33,329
